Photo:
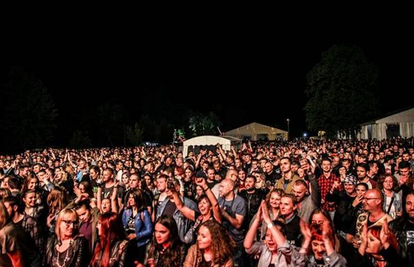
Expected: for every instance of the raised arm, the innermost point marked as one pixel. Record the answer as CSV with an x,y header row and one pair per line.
x,y
213,200
187,212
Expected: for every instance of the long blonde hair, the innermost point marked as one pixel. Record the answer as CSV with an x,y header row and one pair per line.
x,y
59,221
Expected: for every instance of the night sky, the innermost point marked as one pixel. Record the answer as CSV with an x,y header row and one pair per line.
x,y
84,66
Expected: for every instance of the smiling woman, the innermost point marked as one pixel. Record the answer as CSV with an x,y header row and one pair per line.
x,y
66,248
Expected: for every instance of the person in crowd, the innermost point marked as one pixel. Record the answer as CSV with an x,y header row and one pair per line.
x,y
378,247
275,250
66,248
16,249
137,224
88,218
253,197
306,200
166,248
319,240
233,210
112,248
326,181
288,177
28,224
208,209
392,200
291,219
168,207
214,247
56,201
403,227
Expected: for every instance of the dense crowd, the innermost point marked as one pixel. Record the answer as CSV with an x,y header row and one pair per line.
x,y
298,203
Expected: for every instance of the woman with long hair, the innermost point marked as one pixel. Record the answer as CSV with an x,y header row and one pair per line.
x,y
66,248
214,247
137,224
56,201
166,249
111,250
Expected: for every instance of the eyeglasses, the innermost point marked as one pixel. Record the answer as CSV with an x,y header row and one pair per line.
x,y
68,223
369,198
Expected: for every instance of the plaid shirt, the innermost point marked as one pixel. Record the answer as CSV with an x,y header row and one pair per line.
x,y
325,185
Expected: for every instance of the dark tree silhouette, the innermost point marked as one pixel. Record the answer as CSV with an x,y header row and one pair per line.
x,y
342,91
27,112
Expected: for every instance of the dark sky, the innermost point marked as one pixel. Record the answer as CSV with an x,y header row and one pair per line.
x,y
85,65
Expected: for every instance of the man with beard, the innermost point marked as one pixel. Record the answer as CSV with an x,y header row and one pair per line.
x,y
253,198
305,201
404,230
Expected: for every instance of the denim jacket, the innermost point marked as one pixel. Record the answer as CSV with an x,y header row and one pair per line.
x,y
183,224
143,228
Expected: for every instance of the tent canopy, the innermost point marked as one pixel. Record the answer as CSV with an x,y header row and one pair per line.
x,y
256,131
206,140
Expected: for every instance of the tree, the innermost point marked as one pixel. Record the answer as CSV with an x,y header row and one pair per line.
x,y
27,112
134,134
342,91
80,140
201,124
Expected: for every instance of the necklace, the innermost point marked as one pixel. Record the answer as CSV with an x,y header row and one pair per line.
x,y
66,259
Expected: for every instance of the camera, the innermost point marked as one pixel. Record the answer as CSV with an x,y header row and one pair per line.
x,y
170,184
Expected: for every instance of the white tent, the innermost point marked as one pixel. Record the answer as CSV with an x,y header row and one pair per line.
x,y
256,131
399,123
206,140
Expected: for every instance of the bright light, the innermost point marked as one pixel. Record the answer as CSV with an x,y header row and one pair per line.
x,y
305,134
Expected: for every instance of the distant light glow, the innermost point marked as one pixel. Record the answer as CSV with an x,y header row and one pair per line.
x,y
305,134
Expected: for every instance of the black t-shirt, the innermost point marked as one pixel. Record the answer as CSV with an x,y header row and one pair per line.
x,y
170,208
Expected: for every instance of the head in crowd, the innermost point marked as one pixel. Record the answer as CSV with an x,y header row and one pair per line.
x,y
388,182
166,240
4,216
300,190
273,199
57,200
85,187
4,192
212,236
29,198
12,205
162,183
110,229
317,242
373,200
31,183
135,199
250,183
204,205
409,206
83,210
361,189
285,165
288,205
374,245
94,172
349,184
226,188
66,224
269,240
